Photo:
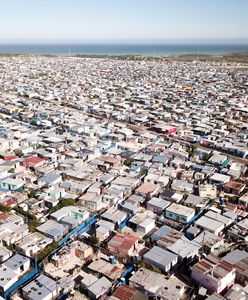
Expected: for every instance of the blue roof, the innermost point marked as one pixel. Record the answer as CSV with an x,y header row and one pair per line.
x,y
50,177
160,159
55,231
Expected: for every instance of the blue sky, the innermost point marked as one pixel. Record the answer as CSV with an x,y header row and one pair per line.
x,y
123,20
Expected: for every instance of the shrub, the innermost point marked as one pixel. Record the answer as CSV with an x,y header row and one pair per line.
x,y
93,240
63,203
4,208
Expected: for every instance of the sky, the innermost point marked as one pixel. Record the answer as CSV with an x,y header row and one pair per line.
x,y
129,21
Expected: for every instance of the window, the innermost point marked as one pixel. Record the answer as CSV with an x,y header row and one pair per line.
x,y
183,219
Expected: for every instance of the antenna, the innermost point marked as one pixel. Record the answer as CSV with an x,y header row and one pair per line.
x,y
203,238
212,272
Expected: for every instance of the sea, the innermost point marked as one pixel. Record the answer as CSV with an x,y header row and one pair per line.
x,y
122,49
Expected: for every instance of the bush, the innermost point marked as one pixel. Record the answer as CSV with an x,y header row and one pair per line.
x,y
128,162
154,269
63,203
11,247
93,240
49,248
142,264
32,193
4,208
25,213
206,157
33,224
32,220
190,149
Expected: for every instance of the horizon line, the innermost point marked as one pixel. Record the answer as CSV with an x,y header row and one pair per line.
x,y
236,41
182,42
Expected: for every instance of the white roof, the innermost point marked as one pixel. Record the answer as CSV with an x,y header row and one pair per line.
x,y
180,209
220,177
184,247
100,287
159,202
210,224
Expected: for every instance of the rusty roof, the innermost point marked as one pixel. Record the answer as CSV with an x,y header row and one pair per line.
x,y
123,241
234,185
125,292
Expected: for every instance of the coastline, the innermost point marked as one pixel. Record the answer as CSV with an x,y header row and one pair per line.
x,y
239,57
113,50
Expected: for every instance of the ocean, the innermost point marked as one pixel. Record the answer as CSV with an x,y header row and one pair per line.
x,y
122,49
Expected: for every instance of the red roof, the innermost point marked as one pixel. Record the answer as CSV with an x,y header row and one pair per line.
x,y
123,241
8,202
125,292
10,157
32,161
234,185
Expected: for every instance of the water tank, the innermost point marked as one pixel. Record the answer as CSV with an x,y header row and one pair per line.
x,y
222,201
136,257
112,259
123,280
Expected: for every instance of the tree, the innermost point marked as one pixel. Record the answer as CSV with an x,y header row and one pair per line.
x,y
93,240
154,269
46,251
4,208
26,214
140,264
143,172
206,156
33,223
32,193
190,150
128,162
63,203
11,247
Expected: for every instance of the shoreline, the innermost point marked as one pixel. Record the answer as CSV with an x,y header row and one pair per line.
x,y
226,57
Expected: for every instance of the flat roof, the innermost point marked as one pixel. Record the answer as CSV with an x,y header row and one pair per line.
x,y
147,187
220,177
184,247
100,286
148,279
158,202
89,280
160,256
41,288
52,228
235,256
218,217
106,268
16,261
33,239
180,209
208,223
